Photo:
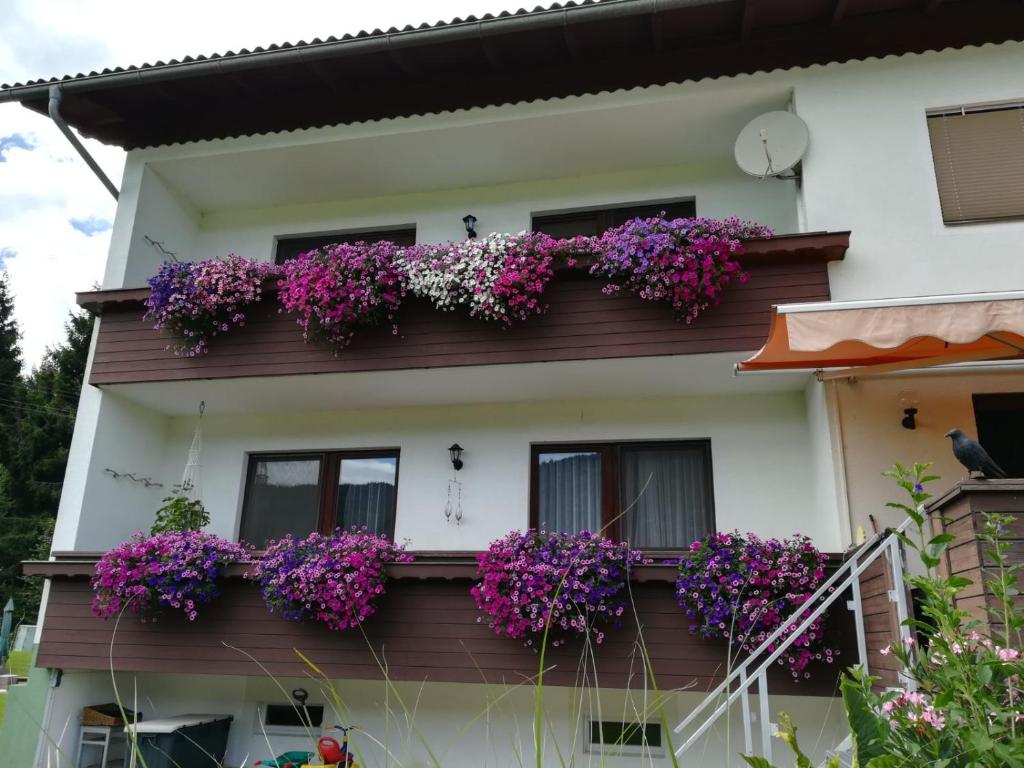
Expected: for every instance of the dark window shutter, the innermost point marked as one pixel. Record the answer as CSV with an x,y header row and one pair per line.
x,y
290,247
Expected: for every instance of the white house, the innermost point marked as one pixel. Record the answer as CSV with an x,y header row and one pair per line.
x,y
565,120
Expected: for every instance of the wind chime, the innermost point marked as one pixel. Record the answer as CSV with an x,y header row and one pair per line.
x,y
192,477
453,507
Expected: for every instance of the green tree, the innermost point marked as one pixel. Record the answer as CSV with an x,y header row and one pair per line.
x,y
10,370
38,422
46,420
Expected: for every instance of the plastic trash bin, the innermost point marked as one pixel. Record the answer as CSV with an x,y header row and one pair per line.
x,y
184,740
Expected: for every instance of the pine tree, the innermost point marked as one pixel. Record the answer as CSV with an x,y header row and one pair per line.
x,y
39,422
47,419
10,370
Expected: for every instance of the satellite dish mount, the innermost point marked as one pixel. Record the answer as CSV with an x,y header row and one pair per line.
x,y
772,146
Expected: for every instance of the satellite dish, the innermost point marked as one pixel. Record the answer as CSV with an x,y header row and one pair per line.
x,y
772,144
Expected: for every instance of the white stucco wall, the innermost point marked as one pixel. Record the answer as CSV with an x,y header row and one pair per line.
x,y
147,207
873,438
764,472
869,169
466,726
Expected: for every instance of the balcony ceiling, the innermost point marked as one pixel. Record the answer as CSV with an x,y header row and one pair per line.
x,y
545,53
681,376
691,125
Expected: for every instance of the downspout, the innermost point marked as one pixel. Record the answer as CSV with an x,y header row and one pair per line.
x,y
58,119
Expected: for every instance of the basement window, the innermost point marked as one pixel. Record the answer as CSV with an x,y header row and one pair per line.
x,y
594,221
291,246
616,738
978,152
290,718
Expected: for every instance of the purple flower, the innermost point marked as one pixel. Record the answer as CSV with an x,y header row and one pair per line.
x,y
177,569
742,589
199,300
332,579
577,582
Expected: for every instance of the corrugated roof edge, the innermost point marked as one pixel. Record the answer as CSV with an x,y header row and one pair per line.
x,y
8,91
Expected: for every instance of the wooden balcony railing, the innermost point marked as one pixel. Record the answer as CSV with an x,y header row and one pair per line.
x,y
582,324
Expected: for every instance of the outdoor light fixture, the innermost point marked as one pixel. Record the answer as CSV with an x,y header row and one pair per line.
x,y
908,404
470,221
909,418
456,453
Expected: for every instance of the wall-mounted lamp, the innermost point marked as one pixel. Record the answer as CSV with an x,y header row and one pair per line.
x,y
909,418
300,695
470,221
908,403
456,453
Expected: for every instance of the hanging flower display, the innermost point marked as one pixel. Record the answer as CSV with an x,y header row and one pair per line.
x,y
339,288
498,277
685,262
173,569
577,580
199,300
332,579
741,588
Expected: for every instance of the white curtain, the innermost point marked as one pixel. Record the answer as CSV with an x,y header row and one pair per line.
x,y
670,496
569,491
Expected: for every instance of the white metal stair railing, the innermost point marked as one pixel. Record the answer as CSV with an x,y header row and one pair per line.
x,y
738,683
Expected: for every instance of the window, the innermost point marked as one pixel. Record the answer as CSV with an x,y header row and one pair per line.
x,y
1000,420
596,221
665,490
625,739
979,161
290,247
293,715
303,492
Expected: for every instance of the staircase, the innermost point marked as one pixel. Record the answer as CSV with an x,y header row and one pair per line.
x,y
752,671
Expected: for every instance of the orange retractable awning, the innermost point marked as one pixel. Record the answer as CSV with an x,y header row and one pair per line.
x,y
892,334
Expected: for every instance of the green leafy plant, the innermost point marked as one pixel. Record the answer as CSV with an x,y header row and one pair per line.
x,y
180,512
963,701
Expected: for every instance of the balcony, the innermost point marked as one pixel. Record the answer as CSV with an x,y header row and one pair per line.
x,y
426,628
582,325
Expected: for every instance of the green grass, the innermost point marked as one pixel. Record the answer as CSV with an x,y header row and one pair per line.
x,y
3,706
19,663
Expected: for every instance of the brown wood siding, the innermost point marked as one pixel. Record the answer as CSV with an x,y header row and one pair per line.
x,y
424,630
961,512
582,324
881,625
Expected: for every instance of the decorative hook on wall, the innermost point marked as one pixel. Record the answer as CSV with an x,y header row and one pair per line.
x,y
146,481
159,246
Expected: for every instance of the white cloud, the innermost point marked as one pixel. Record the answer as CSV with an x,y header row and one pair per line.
x,y
44,189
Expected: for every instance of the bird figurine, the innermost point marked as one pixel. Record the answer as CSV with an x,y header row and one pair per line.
x,y
970,453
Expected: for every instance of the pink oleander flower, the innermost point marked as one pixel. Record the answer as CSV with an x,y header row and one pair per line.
x,y
575,581
334,579
339,289
737,587
175,569
1008,654
199,300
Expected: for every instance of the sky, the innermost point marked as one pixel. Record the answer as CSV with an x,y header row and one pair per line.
x,y
55,216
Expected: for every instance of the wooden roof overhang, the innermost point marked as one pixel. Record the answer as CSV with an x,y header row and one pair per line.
x,y
553,52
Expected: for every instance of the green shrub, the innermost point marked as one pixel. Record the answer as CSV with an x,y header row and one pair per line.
x,y
181,512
